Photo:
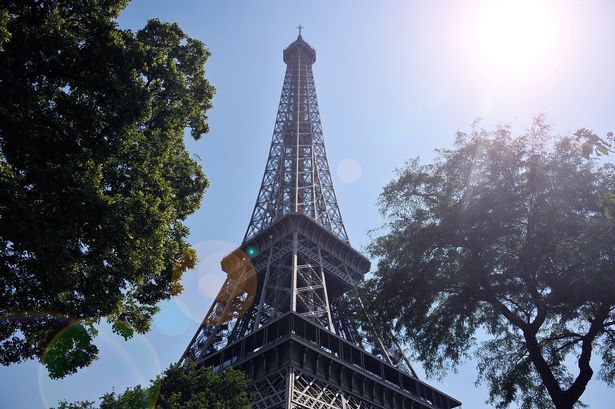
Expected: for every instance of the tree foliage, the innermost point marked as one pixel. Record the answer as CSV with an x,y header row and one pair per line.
x,y
185,386
95,180
504,247
593,144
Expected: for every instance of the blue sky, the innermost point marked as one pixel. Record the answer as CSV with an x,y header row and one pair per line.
x,y
395,80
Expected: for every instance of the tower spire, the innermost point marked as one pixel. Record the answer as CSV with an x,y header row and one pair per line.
x,y
297,177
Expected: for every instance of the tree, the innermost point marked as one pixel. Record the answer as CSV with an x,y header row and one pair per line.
x,y
503,247
95,180
183,385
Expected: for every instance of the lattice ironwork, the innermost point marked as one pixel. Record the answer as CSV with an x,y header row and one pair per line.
x,y
305,391
269,392
312,301
288,312
291,272
290,275
297,177
312,393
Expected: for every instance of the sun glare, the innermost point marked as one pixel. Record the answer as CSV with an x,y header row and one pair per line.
x,y
513,38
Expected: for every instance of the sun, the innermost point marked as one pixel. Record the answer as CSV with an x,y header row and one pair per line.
x,y
512,37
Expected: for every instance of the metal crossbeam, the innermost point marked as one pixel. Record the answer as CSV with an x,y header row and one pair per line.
x,y
310,392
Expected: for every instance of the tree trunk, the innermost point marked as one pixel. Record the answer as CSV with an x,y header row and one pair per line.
x,y
562,402
566,399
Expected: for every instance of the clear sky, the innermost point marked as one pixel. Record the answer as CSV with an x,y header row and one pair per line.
x,y
395,80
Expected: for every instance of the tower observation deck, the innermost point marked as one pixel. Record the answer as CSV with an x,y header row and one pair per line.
x,y
286,313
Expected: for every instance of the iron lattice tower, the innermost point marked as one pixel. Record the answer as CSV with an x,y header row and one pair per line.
x,y
284,315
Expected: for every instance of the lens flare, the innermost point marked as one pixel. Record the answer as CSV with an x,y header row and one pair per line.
x,y
349,170
173,319
251,252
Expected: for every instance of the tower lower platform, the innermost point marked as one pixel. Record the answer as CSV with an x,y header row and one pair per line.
x,y
294,363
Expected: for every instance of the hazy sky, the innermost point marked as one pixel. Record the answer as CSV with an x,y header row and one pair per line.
x,y
395,80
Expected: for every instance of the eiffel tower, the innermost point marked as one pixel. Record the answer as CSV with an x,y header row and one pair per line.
x,y
285,314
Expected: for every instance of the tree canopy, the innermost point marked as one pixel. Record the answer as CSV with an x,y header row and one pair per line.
x,y
185,386
503,247
95,179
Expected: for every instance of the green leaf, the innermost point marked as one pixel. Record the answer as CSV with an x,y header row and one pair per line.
x,y
123,329
587,149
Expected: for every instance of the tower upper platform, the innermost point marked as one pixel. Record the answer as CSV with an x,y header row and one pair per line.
x,y
299,46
